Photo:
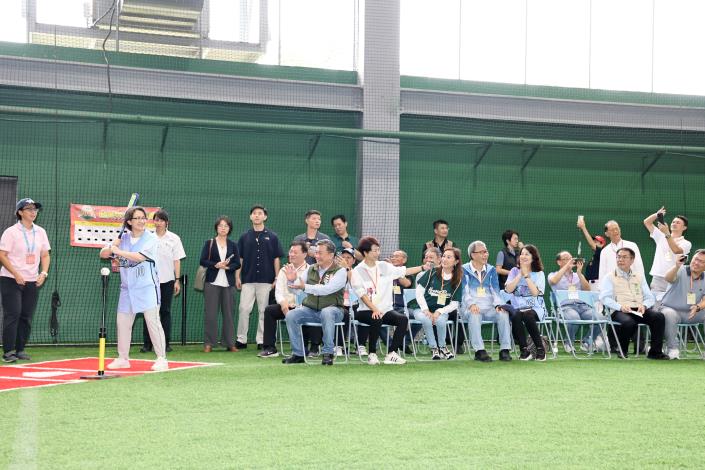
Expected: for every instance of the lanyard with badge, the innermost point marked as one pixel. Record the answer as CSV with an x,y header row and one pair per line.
x,y
481,289
30,257
691,293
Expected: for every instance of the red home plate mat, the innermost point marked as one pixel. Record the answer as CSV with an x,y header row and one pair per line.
x,y
49,373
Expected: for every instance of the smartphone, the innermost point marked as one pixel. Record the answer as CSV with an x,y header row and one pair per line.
x,y
227,260
660,218
683,258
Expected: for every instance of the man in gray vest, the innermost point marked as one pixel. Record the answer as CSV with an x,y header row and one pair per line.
x,y
324,282
684,301
627,294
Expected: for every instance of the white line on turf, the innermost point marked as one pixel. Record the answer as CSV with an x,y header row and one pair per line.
x,y
24,449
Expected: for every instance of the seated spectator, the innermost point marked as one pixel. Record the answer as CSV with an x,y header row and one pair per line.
x,y
438,292
573,308
626,292
481,302
286,298
526,284
373,283
684,301
324,284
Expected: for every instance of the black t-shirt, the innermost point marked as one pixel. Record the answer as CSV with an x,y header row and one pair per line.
x,y
592,272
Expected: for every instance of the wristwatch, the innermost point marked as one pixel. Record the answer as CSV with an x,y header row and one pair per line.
x,y
45,273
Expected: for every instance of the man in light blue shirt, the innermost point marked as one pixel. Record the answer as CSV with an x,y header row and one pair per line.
x,y
628,295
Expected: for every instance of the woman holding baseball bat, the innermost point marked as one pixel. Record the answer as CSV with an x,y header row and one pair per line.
x,y
219,255
136,252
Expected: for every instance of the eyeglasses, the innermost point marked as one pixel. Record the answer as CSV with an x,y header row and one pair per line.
x,y
30,209
139,218
480,252
624,257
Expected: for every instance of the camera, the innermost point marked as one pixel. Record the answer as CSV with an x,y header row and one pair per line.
x,y
683,258
659,217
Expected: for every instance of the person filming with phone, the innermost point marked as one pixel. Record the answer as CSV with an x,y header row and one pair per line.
x,y
685,300
626,292
669,245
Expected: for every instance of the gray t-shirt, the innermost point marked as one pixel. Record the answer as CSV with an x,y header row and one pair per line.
x,y
677,295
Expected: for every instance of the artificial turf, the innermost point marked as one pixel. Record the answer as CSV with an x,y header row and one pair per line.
x,y
258,413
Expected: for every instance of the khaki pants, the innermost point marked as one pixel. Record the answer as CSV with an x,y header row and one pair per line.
x,y
252,291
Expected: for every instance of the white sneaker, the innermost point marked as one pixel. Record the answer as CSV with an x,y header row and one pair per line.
x,y
568,348
372,359
361,351
160,364
339,351
599,345
394,358
119,363
674,354
584,347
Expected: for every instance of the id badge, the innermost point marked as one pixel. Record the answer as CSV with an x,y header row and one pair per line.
x,y
30,258
691,298
481,292
441,299
573,293
397,290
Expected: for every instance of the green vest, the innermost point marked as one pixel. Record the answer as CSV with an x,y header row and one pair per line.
x,y
319,302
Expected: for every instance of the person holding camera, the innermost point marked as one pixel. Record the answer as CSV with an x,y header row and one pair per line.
x,y
573,308
626,292
684,301
669,245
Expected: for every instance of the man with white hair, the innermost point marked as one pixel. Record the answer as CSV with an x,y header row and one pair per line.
x,y
481,301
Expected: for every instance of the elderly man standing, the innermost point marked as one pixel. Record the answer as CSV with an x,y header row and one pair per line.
x,y
324,282
626,292
608,259
480,301
685,300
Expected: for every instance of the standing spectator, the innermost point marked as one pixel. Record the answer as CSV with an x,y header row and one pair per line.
x,y
608,259
597,243
221,257
136,253
260,253
440,237
170,252
341,238
507,256
312,236
670,244
527,284
22,248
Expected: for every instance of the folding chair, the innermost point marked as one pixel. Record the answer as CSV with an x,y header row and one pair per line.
x,y
545,326
693,330
339,328
588,297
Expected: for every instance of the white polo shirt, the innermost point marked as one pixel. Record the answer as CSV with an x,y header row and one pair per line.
x,y
169,249
664,258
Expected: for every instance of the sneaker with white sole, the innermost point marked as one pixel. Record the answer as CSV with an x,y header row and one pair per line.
x,y
361,350
119,363
435,354
372,359
567,347
394,358
674,354
339,351
160,364
599,345
447,353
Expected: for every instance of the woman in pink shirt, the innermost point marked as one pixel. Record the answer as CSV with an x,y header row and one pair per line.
x,y
23,247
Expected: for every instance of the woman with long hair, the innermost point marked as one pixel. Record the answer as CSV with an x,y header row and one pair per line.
x,y
438,293
526,283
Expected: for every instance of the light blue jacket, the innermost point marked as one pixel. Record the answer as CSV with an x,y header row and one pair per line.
x,y
490,282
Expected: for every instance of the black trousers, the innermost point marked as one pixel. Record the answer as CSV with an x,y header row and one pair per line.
x,y
629,322
273,313
528,319
390,318
167,293
18,305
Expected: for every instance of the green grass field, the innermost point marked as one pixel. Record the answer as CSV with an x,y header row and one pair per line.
x,y
256,413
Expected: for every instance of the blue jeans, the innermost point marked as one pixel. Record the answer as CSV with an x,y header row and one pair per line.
x,y
441,327
504,328
327,317
580,311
